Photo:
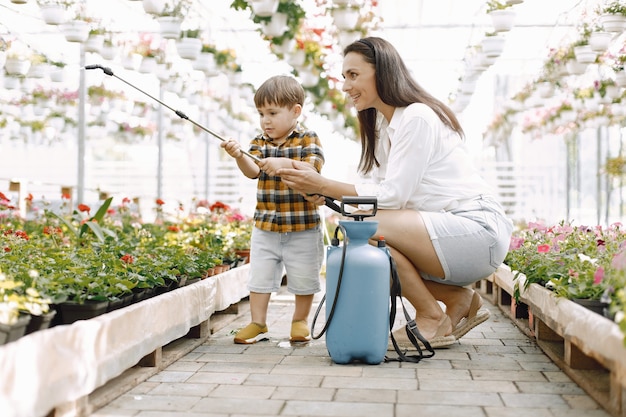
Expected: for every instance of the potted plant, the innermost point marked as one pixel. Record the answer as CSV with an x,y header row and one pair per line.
x,y
189,45
502,15
612,16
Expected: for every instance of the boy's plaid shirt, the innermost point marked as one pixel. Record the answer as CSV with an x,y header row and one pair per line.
x,y
279,208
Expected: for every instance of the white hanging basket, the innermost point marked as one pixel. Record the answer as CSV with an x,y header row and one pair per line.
x,y
584,54
38,71
57,74
94,43
502,20
205,62
545,89
599,41
264,8
153,6
575,67
345,18
346,37
17,66
148,65
53,14
189,48
620,78
170,26
615,23
275,27
296,58
109,52
493,45
3,59
75,30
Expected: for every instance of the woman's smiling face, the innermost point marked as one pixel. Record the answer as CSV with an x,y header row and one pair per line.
x,y
360,81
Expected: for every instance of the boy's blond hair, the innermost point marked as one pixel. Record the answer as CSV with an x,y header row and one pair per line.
x,y
280,90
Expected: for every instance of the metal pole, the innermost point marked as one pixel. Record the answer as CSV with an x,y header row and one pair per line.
x,y
160,145
80,188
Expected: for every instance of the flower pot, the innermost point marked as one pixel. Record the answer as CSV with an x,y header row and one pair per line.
x,y
57,74
205,62
76,30
3,59
264,8
153,6
599,41
502,20
94,43
575,67
148,65
596,306
620,78
275,27
345,18
493,46
16,66
41,322
72,311
12,332
189,48
169,26
584,54
615,23
53,14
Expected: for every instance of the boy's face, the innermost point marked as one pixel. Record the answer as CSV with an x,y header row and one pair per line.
x,y
278,122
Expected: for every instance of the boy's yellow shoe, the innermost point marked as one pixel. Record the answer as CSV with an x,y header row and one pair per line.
x,y
299,331
252,333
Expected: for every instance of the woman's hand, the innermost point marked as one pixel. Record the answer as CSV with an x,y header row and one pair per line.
x,y
302,177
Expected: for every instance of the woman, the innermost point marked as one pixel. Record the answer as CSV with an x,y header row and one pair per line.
x,y
440,221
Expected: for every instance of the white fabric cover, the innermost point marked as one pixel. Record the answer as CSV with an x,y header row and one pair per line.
x,y
51,367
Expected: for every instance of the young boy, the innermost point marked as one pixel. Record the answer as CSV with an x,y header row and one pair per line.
x,y
287,228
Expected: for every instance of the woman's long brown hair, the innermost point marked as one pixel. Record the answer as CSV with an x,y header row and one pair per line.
x,y
396,87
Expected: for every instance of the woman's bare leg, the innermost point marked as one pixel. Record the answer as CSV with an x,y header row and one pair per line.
x,y
405,231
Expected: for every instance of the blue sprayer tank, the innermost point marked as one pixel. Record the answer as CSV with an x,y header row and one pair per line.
x,y
359,327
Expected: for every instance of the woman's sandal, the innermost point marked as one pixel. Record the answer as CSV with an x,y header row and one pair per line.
x,y
438,341
475,316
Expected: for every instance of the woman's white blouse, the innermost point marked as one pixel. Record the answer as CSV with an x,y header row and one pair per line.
x,y
424,165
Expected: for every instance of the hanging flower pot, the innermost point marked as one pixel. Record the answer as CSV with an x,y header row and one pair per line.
x,y
17,66
297,58
584,54
153,6
148,65
275,27
11,83
575,67
53,14
308,79
170,26
264,8
345,18
615,23
189,48
109,51
38,71
205,62
599,41
493,45
57,74
620,78
502,20
346,37
94,43
545,89
76,30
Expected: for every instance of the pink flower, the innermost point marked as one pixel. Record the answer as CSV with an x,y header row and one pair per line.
x,y
516,242
598,276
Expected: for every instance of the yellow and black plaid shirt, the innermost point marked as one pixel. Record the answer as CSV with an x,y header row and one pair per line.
x,y
279,208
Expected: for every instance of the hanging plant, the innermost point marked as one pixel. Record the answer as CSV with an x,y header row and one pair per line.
x,y
292,9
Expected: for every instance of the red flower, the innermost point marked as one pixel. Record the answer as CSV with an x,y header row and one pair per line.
x,y
125,200
173,228
84,208
159,202
598,276
7,249
111,211
29,197
22,234
66,196
543,248
3,197
127,259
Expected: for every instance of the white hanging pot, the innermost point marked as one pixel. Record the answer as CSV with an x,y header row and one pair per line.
x,y
584,54
205,62
109,52
545,89
575,67
11,83
189,48
502,20
493,45
17,66
38,71
3,59
615,23
599,41
94,43
345,18
148,65
346,37
57,74
277,26
76,30
296,58
153,6
264,8
308,79
620,78
53,14
170,26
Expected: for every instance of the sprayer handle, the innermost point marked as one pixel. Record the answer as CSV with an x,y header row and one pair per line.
x,y
359,200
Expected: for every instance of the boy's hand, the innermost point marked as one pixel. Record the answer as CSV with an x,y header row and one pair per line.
x,y
233,148
271,165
